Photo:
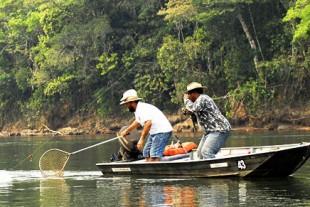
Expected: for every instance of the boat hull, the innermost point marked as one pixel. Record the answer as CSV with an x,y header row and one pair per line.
x,y
282,163
276,163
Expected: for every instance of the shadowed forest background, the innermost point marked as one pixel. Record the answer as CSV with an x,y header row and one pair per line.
x,y
72,59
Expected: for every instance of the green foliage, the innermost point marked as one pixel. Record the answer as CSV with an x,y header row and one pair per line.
x,y
35,104
83,55
23,78
288,79
181,62
59,85
8,96
253,95
178,10
107,63
154,86
300,13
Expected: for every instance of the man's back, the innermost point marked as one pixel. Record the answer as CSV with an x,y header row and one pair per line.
x,y
145,112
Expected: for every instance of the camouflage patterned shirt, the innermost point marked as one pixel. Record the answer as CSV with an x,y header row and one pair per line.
x,y
208,114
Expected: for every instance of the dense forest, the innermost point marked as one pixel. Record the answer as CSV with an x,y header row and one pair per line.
x,y
61,59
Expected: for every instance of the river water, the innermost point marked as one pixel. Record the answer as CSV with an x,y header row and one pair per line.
x,y
21,183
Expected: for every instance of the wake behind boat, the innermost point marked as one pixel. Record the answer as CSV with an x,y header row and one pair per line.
x,y
253,161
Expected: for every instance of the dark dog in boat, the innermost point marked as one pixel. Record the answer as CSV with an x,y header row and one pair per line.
x,y
128,148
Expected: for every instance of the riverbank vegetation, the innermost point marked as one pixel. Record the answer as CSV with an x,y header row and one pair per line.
x,y
65,59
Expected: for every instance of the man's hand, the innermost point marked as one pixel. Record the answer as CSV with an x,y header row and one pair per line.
x,y
131,127
140,145
124,133
185,111
185,97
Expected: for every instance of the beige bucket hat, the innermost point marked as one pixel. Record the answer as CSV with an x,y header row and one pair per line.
x,y
129,96
194,85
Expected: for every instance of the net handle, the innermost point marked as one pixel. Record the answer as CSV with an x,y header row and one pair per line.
x,y
95,145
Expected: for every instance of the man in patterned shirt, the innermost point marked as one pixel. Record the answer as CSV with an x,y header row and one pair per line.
x,y
216,126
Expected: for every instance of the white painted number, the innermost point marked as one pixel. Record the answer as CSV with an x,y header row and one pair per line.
x,y
241,165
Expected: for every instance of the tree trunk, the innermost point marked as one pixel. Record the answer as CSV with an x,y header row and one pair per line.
x,y
250,39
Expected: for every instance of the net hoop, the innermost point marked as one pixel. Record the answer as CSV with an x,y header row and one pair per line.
x,y
52,162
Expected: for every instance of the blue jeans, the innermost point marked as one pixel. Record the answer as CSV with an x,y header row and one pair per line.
x,y
211,143
156,144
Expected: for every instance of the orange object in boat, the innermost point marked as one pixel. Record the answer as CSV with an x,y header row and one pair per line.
x,y
175,149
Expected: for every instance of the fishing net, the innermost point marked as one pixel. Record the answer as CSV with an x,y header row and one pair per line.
x,y
53,162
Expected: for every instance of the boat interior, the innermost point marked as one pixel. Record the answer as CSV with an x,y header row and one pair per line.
x,y
223,153
231,152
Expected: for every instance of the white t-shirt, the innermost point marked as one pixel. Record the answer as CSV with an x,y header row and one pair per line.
x,y
145,112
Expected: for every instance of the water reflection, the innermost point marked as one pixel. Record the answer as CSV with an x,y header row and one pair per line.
x,y
54,192
191,193
180,196
215,194
89,189
242,192
288,191
209,192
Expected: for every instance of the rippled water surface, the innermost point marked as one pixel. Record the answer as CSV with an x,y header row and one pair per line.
x,y
21,183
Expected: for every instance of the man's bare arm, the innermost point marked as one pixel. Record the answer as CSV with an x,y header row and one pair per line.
x,y
131,127
144,133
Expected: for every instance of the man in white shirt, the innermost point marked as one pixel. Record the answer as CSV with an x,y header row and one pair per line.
x,y
154,123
